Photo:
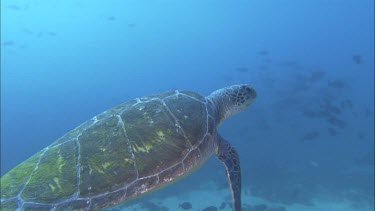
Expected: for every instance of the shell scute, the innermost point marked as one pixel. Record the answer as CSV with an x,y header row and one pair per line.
x,y
206,146
117,110
194,95
15,179
106,162
73,134
9,205
191,115
36,207
55,178
153,138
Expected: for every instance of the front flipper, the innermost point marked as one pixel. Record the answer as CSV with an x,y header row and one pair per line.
x,y
229,157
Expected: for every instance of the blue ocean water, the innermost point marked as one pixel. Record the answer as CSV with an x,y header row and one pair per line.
x,y
309,134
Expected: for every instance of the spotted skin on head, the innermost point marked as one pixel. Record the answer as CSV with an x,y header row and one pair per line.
x,y
232,100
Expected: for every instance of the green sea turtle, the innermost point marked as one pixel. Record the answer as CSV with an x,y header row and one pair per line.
x,y
129,150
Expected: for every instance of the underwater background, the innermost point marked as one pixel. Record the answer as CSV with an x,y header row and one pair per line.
x,y
306,143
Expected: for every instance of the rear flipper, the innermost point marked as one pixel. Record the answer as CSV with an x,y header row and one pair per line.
x,y
229,157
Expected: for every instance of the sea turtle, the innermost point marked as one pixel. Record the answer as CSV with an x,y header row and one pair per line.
x,y
128,150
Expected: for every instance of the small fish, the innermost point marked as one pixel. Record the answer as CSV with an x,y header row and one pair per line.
x,y
346,104
310,136
332,131
361,135
39,35
311,114
242,69
23,46
7,43
149,205
185,206
290,64
336,122
132,25
366,159
260,207
164,208
268,61
13,7
369,113
227,78
357,59
52,33
278,208
331,109
339,84
263,52
210,208
111,18
222,205
27,31
316,76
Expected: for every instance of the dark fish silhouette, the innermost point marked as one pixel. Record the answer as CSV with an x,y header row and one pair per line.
x,y
132,25
268,61
358,59
27,31
312,114
290,64
227,78
39,35
210,208
7,43
150,206
336,122
369,113
332,131
260,207
310,136
111,18
222,205
331,109
346,104
339,84
361,135
185,206
366,159
242,69
316,76
263,52
13,7
52,34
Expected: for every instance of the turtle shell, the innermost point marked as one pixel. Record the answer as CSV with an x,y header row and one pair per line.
x,y
117,155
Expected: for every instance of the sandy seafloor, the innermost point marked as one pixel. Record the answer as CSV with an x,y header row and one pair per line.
x,y
207,197
212,192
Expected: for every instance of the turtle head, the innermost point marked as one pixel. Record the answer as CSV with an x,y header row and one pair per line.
x,y
232,100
